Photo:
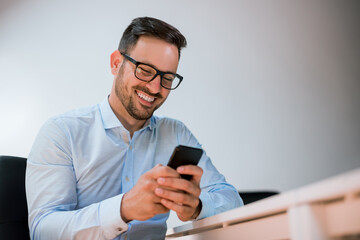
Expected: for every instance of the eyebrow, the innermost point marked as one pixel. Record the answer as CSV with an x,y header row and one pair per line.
x,y
153,66
149,64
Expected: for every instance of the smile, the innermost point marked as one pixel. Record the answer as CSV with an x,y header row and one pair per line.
x,y
145,97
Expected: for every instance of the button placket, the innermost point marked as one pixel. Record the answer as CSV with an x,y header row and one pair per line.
x,y
128,165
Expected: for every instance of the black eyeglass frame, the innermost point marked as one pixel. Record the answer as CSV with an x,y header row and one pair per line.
x,y
158,72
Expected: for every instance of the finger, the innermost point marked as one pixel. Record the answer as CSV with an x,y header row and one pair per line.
x,y
160,208
163,171
193,170
183,212
177,197
180,185
170,188
156,199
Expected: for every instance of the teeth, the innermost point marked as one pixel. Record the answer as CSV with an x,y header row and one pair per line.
x,y
146,98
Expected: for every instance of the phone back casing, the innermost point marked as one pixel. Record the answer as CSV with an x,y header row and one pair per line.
x,y
184,155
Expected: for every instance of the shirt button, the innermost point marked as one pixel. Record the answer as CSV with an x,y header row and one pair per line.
x,y
127,178
130,147
125,237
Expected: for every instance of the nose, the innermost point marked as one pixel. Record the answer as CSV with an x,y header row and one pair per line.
x,y
154,86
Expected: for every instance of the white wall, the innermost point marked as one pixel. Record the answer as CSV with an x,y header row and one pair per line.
x,y
271,88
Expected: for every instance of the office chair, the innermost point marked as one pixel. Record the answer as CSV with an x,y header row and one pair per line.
x,y
253,196
13,206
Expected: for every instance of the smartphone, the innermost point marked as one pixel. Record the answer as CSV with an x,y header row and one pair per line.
x,y
184,155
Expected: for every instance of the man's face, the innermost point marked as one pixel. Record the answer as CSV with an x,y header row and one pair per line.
x,y
140,99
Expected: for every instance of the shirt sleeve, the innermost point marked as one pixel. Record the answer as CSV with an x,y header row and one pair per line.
x,y
217,195
52,196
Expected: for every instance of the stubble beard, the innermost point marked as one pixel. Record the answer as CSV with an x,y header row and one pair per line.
x,y
128,101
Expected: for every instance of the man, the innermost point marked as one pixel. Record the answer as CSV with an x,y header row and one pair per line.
x,y
100,172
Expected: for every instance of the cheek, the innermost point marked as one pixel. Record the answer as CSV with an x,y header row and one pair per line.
x,y
165,93
125,80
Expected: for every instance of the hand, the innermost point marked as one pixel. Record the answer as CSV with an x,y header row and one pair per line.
x,y
185,199
140,202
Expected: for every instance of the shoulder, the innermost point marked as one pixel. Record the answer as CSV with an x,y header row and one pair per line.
x,y
173,128
73,119
78,114
168,123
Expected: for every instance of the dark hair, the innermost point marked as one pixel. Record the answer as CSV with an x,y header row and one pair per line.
x,y
147,26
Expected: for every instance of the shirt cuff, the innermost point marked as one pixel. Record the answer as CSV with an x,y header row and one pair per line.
x,y
110,217
207,209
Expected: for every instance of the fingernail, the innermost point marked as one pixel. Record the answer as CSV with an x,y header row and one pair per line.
x,y
161,180
180,169
159,191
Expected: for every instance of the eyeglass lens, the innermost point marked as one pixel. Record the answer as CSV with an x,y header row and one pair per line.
x,y
147,73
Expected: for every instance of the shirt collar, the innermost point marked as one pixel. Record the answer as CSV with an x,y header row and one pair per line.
x,y
111,121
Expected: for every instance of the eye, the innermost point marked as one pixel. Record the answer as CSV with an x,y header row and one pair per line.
x,y
145,70
169,77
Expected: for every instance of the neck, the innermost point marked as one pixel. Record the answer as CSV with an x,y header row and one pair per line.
x,y
130,123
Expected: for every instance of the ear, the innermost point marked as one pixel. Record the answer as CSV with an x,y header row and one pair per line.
x,y
115,62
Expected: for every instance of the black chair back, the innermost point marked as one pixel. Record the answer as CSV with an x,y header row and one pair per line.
x,y
13,206
253,196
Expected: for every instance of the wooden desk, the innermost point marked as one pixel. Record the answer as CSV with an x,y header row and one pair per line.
x,y
329,209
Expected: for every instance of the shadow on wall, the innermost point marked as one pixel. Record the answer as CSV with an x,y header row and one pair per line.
x,y
6,4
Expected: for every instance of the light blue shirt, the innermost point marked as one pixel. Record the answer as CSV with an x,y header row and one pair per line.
x,y
83,161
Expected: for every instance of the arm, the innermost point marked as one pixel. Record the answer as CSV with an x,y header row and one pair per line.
x,y
216,194
190,201
52,195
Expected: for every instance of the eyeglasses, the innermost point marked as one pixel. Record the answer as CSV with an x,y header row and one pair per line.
x,y
147,73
